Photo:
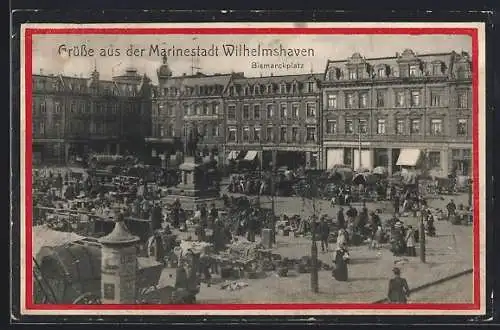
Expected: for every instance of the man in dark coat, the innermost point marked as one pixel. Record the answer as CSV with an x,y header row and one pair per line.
x,y
340,218
324,233
214,213
398,288
396,203
351,213
363,218
451,207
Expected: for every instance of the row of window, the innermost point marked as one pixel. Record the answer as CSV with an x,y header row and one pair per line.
x,y
41,128
126,90
87,108
285,135
384,71
360,100
203,130
205,109
415,127
254,111
197,90
283,88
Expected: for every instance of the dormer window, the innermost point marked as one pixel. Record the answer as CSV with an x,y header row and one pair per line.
x,y
381,73
353,75
256,90
462,73
310,87
331,75
294,88
436,69
247,90
269,89
283,88
413,70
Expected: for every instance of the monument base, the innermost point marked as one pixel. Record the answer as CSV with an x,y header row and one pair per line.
x,y
191,202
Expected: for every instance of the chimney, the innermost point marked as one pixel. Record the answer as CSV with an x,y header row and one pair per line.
x,y
41,71
397,54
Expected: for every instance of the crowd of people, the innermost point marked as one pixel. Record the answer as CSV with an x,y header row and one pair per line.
x,y
89,195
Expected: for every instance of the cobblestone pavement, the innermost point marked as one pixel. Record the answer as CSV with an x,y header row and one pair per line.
x,y
448,253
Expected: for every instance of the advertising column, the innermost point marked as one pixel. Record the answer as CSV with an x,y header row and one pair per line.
x,y
118,265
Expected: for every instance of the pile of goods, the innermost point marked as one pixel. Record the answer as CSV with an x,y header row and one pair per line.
x,y
233,285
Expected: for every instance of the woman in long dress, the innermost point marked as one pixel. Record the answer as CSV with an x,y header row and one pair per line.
x,y
340,272
398,288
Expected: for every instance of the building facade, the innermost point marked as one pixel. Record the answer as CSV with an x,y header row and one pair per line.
x,y
72,116
275,118
375,110
187,106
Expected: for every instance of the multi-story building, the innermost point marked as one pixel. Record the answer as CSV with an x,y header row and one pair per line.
x,y
188,105
72,116
274,117
398,109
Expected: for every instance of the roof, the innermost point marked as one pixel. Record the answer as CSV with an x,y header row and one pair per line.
x,y
124,85
46,237
119,235
198,80
448,59
277,79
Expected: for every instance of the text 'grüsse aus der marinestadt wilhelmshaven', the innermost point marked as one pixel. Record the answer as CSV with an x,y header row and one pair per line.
x,y
214,50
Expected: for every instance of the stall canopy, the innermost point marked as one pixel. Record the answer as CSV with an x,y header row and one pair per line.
x,y
408,157
251,155
46,237
380,170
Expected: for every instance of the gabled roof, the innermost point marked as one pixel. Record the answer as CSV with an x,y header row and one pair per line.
x,y
277,79
83,84
197,80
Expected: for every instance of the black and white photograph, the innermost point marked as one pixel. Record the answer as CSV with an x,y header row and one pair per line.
x,y
254,168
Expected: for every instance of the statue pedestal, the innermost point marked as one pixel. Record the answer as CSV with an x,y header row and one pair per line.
x,y
195,187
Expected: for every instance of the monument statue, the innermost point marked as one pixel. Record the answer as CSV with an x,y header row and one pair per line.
x,y
192,144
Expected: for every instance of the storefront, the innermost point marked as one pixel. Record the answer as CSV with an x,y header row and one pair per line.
x,y
461,161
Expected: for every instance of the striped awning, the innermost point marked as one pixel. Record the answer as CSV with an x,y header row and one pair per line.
x,y
408,157
251,155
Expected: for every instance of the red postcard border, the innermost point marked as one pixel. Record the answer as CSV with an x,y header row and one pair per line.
x,y
28,55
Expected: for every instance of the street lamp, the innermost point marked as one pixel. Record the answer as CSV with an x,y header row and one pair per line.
x,y
273,192
314,246
314,263
422,226
359,145
469,188
422,237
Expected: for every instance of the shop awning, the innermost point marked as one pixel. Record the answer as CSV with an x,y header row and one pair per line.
x,y
408,157
233,154
251,155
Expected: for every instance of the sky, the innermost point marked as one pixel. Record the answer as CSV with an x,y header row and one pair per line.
x,y
48,60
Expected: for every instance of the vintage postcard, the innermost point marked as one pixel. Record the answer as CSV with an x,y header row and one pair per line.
x,y
253,169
